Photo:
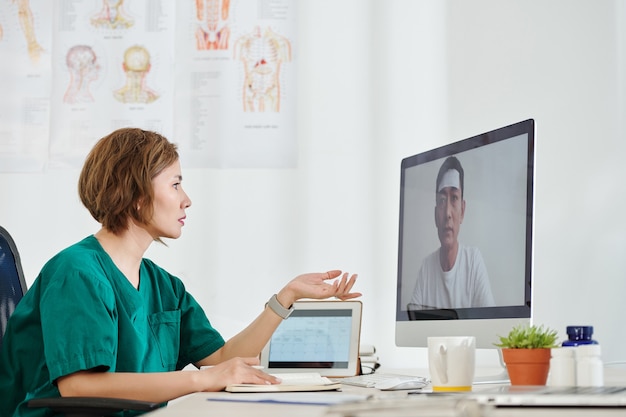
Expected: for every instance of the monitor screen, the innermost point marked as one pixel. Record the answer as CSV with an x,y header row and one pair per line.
x,y
465,247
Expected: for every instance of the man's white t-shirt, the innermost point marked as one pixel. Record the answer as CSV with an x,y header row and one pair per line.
x,y
465,285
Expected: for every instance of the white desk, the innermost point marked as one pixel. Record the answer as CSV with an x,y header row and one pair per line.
x,y
222,404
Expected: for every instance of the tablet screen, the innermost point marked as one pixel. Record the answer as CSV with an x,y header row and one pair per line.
x,y
318,336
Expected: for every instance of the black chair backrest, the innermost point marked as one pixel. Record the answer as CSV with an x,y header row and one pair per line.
x,y
12,282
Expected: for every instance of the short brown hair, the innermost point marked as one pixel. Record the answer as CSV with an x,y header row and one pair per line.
x,y
115,183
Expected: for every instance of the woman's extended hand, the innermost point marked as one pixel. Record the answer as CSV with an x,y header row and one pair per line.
x,y
251,340
315,285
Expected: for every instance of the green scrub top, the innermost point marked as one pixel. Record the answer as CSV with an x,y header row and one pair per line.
x,y
83,313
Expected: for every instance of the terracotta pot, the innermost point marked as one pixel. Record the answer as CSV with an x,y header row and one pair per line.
x,y
527,366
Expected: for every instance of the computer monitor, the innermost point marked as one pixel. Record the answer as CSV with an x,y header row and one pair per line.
x,y
485,289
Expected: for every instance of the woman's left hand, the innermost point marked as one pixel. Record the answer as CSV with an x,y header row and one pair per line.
x,y
315,285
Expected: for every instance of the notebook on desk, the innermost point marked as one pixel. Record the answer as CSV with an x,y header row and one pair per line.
x,y
547,396
318,336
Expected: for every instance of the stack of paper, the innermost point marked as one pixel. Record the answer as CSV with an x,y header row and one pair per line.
x,y
369,359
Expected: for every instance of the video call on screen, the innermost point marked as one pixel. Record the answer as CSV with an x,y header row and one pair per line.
x,y
498,183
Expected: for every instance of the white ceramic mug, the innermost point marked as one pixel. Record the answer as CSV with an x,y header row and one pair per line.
x,y
451,362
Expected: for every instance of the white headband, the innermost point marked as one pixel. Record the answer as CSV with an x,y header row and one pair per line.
x,y
451,178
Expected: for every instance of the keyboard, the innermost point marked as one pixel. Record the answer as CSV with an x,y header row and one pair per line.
x,y
386,381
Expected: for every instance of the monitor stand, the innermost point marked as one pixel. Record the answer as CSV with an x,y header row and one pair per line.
x,y
499,378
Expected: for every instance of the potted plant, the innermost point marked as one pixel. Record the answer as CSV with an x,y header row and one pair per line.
x,y
526,353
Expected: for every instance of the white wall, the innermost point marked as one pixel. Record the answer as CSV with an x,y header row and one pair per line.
x,y
380,80
561,63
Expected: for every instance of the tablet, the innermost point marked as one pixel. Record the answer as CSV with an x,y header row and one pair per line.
x,y
318,336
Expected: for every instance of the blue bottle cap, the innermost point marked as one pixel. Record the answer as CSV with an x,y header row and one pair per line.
x,y
579,332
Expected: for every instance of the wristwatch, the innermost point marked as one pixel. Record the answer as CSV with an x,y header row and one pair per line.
x,y
278,308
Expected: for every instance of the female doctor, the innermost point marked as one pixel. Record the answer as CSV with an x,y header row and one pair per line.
x,y
101,320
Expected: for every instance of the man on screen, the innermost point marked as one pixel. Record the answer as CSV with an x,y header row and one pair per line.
x,y
453,276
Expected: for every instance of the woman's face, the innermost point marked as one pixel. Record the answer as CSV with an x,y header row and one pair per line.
x,y
170,202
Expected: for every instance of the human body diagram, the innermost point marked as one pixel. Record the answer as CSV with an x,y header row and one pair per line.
x,y
27,23
262,54
83,67
112,16
136,67
213,32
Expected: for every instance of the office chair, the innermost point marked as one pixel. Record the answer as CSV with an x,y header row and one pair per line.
x,y
12,282
12,289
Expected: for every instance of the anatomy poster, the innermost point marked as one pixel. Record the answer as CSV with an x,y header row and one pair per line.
x,y
235,104
25,82
215,76
112,66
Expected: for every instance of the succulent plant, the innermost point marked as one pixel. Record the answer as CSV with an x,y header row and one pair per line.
x,y
528,337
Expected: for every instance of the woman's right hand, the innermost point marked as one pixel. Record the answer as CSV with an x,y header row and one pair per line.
x,y
316,285
235,371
